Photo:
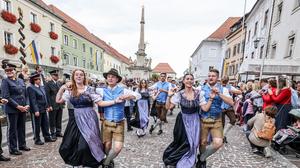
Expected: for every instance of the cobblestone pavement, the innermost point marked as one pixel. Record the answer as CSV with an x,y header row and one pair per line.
x,y
146,152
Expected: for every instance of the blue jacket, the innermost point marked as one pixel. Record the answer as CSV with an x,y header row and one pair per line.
x,y
15,92
37,98
114,113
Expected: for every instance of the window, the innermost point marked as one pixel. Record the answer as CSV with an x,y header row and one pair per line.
x,y
97,57
75,61
83,63
33,17
252,55
255,28
8,38
83,47
238,48
74,43
7,5
243,46
234,50
291,46
91,51
261,52
66,58
273,52
249,35
266,17
52,50
66,40
52,27
279,12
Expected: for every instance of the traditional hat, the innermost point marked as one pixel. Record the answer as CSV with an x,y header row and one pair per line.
x,y
7,65
54,72
34,75
114,72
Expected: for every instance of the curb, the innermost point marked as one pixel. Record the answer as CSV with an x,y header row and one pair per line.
x,y
29,133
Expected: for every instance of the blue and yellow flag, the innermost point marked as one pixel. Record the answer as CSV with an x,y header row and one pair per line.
x,y
35,56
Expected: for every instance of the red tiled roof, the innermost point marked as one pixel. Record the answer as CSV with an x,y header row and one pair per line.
x,y
82,31
44,6
163,67
224,29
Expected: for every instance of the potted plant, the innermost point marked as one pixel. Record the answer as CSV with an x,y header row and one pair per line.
x,y
35,27
10,49
54,59
9,17
53,35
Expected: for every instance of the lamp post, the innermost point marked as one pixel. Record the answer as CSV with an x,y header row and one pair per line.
x,y
256,42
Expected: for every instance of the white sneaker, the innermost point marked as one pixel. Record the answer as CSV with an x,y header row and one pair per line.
x,y
267,152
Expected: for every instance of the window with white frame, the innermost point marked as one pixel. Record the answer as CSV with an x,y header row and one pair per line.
x,y
234,50
273,51
83,63
266,17
8,38
52,50
83,47
252,55
91,51
66,58
249,35
52,27
279,12
75,61
291,46
66,40
238,48
261,52
255,28
33,17
74,43
6,5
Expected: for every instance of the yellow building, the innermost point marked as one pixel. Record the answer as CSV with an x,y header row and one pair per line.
x,y
234,51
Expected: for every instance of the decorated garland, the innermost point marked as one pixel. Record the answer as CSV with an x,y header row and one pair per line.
x,y
21,40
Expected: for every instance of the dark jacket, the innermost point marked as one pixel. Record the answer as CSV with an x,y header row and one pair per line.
x,y
37,98
15,92
51,91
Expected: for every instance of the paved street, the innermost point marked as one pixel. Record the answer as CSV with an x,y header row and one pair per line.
x,y
147,152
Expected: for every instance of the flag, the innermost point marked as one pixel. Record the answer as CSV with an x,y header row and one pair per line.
x,y
35,56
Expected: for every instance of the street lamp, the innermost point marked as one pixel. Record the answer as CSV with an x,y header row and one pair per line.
x,y
256,42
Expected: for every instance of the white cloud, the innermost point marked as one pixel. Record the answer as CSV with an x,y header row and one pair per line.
x,y
174,28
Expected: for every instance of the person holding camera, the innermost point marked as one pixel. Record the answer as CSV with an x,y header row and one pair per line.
x,y
211,120
14,90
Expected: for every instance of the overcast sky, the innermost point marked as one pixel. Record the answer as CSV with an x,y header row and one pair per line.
x,y
173,29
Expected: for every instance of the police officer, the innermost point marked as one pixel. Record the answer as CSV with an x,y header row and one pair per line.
x,y
55,113
39,106
14,90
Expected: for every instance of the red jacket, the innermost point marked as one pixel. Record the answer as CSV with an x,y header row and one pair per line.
x,y
284,96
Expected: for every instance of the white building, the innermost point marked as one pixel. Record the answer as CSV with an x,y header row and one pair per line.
x,y
34,11
272,27
211,51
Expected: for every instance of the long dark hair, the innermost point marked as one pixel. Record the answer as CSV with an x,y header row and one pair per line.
x,y
140,84
182,84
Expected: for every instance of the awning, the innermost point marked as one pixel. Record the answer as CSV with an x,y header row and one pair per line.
x,y
271,67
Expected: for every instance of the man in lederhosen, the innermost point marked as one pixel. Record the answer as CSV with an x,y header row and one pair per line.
x,y
56,110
